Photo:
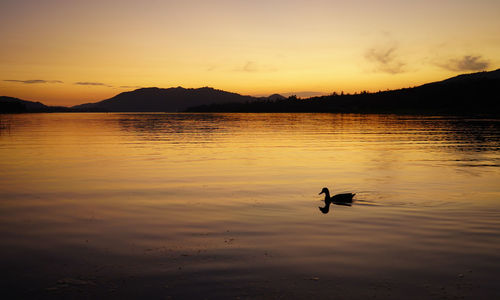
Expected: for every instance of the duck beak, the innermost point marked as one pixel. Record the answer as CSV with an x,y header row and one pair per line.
x,y
321,193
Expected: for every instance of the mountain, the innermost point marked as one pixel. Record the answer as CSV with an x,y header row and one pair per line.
x,y
275,97
164,100
15,105
492,75
476,93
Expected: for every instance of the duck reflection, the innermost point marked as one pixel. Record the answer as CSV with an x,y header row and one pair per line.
x,y
339,199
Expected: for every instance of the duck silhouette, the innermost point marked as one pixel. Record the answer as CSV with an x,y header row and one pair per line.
x,y
339,199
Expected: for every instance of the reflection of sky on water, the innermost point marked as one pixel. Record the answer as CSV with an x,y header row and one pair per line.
x,y
461,134
237,193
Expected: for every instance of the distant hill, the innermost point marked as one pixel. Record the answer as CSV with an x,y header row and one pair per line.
x,y
15,105
473,76
164,100
275,97
10,104
476,93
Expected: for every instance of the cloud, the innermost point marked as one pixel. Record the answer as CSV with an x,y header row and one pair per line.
x,y
32,81
130,86
249,66
93,84
385,60
89,83
253,67
466,63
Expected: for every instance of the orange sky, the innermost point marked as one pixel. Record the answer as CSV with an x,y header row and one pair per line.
x,y
71,52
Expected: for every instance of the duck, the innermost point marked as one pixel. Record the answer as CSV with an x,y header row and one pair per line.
x,y
339,198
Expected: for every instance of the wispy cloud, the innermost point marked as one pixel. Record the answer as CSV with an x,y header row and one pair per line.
x,y
385,59
130,86
89,83
33,81
466,63
251,66
92,83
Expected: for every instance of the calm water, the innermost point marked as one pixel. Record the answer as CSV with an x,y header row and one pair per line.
x,y
226,205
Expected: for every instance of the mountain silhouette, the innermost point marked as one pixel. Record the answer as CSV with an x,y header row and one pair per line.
x,y
275,97
476,93
10,104
164,100
15,105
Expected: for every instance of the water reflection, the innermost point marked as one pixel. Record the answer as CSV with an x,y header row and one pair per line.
x,y
465,135
325,209
4,124
175,127
118,190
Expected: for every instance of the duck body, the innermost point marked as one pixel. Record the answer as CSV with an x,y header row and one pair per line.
x,y
339,198
347,197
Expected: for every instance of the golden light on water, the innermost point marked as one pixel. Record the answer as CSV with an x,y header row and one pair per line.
x,y
228,203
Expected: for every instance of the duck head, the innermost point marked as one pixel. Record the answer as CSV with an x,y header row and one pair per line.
x,y
324,190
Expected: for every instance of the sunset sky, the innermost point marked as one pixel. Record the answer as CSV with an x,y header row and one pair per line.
x,y
67,52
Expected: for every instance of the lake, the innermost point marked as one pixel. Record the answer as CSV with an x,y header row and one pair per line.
x,y
226,206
